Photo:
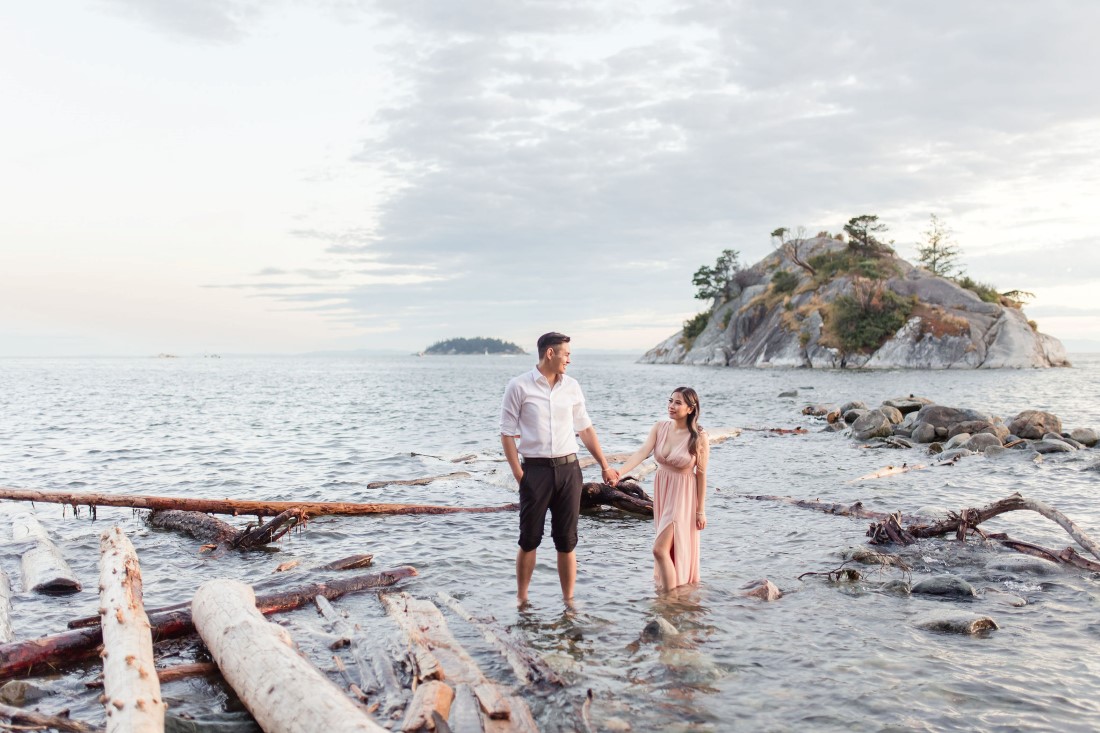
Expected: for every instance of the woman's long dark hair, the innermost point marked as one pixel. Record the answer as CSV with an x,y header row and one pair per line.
x,y
692,400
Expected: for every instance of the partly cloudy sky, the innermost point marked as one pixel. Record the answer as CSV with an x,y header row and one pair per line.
x,y
281,176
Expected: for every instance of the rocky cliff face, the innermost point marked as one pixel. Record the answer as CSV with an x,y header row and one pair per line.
x,y
949,327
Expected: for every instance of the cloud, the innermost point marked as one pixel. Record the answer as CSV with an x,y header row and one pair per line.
x,y
221,21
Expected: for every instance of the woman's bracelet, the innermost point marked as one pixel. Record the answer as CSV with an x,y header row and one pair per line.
x,y
700,514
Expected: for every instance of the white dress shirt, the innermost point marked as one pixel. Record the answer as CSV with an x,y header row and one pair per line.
x,y
546,420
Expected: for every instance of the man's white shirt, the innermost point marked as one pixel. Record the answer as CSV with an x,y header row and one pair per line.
x,y
546,420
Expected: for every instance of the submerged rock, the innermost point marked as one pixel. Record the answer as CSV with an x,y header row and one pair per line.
x,y
659,628
957,623
1024,565
944,585
763,589
896,587
1052,446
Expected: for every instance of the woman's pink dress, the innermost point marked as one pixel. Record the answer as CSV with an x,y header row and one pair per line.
x,y
674,504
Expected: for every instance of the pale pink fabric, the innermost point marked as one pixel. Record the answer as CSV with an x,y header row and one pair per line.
x,y
674,504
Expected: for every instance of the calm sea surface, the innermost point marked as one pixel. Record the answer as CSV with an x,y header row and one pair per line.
x,y
824,657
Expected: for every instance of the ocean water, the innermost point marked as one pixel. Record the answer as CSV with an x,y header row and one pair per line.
x,y
826,656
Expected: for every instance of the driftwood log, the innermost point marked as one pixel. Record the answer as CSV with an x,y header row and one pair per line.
x,y
131,690
220,535
44,569
282,690
51,652
417,481
238,507
430,708
528,666
30,720
899,529
627,496
426,629
6,633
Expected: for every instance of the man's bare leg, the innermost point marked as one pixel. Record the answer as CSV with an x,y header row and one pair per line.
x,y
567,573
525,567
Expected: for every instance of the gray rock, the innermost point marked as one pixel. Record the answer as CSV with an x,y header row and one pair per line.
x,y
789,393
854,414
896,441
981,442
957,623
892,414
923,433
1085,436
21,692
993,451
1034,424
895,587
871,425
979,426
950,456
1052,446
957,441
763,589
853,405
1068,441
933,512
944,585
818,410
935,448
942,416
906,405
658,628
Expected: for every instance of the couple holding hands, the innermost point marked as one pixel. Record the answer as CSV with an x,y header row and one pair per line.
x,y
544,410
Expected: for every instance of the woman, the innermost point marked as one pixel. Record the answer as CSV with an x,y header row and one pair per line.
x,y
679,489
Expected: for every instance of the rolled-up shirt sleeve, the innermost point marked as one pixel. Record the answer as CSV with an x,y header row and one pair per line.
x,y
581,420
509,409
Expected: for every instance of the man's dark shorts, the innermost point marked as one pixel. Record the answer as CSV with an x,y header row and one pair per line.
x,y
557,488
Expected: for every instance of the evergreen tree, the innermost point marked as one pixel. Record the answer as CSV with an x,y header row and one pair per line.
x,y
715,281
861,232
939,253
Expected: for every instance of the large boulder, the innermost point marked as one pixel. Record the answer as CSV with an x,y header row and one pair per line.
x,y
981,442
941,416
872,424
1033,424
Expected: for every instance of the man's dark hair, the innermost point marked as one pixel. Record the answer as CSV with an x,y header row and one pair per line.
x,y
548,340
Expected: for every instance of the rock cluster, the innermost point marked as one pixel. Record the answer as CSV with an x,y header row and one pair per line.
x,y
951,327
953,432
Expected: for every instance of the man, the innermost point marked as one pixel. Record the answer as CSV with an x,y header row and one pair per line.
x,y
544,409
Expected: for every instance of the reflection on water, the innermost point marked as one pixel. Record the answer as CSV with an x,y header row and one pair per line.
x,y
827,656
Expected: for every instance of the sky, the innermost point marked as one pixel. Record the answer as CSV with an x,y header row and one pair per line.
x,y
280,176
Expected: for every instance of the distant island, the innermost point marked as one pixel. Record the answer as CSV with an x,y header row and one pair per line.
x,y
472,346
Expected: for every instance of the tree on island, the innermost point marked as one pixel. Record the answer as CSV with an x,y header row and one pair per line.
x,y
478,345
939,252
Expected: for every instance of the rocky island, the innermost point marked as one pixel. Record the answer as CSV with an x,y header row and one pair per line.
x,y
825,303
477,345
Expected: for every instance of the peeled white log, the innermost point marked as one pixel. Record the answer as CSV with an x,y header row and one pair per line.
x,y
131,690
282,690
44,570
6,633
424,625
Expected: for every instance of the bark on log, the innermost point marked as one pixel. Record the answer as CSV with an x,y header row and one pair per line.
x,y
131,690
424,624
842,510
44,569
50,652
528,666
627,496
38,721
352,562
282,690
222,535
6,633
237,507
